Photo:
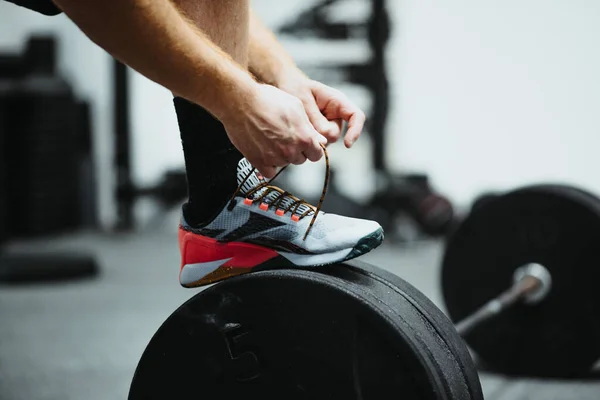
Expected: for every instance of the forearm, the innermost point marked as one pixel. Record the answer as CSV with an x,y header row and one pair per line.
x,y
268,60
152,37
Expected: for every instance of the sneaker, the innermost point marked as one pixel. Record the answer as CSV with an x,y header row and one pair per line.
x,y
265,227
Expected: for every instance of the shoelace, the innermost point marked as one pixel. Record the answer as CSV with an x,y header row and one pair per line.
x,y
282,194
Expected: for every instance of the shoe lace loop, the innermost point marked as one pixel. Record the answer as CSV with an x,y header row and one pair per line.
x,y
295,204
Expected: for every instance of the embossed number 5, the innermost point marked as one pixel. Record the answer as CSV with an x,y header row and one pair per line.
x,y
245,360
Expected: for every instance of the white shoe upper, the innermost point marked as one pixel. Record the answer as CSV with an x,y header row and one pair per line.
x,y
248,222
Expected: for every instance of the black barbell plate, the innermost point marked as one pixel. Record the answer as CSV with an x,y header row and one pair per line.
x,y
327,333
433,315
554,225
428,322
407,311
27,268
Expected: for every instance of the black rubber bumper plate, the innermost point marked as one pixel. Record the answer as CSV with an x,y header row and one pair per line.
x,y
337,332
557,227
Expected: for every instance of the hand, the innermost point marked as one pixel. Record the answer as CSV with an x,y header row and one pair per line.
x,y
326,108
273,131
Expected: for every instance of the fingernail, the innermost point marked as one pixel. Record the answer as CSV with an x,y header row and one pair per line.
x,y
322,139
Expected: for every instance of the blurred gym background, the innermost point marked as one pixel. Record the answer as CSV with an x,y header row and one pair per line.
x,y
464,98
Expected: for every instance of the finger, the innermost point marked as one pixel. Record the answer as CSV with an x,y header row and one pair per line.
x,y
312,148
298,159
267,171
270,163
339,123
319,122
336,130
356,122
337,106
321,138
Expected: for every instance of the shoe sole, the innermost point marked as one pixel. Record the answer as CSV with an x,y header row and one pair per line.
x,y
202,274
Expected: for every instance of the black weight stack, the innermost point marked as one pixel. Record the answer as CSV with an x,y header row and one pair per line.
x,y
42,144
45,165
3,188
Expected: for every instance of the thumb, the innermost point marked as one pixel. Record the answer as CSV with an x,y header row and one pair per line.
x,y
313,132
267,172
318,120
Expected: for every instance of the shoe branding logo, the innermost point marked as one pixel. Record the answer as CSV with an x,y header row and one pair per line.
x,y
255,224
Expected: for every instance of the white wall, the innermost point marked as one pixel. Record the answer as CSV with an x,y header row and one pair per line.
x,y
493,94
87,67
486,94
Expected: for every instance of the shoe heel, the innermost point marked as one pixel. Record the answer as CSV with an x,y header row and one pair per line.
x,y
205,260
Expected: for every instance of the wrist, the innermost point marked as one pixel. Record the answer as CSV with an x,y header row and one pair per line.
x,y
288,75
232,94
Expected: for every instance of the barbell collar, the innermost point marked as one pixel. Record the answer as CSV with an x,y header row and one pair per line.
x,y
541,274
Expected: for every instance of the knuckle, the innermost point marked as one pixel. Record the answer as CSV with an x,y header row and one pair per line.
x,y
299,160
333,131
285,152
264,160
297,102
316,156
305,140
334,135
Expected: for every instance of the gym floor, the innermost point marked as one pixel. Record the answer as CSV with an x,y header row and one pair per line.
x,y
82,340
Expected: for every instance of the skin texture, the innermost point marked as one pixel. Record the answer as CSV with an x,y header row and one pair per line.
x,y
217,53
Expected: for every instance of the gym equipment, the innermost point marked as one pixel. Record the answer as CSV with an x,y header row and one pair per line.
x,y
46,179
47,140
3,197
169,192
483,198
396,194
413,195
519,277
315,22
348,330
46,267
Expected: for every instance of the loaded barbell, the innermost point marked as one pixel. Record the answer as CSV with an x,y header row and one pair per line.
x,y
519,278
532,282
354,330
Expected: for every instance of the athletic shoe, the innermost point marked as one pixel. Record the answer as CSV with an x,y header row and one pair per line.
x,y
265,227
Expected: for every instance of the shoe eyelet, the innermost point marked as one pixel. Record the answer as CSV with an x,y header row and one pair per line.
x,y
279,213
248,201
295,218
264,206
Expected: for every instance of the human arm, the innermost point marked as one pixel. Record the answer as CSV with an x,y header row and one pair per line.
x,y
326,107
184,60
267,125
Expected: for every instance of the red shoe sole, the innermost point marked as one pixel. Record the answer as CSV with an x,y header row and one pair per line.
x,y
240,257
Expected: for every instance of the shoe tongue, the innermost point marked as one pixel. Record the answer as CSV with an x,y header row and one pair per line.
x,y
255,179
